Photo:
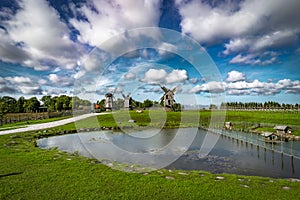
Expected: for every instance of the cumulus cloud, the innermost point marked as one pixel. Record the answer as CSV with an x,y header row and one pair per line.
x,y
266,58
130,76
64,81
255,87
234,76
166,48
108,18
34,36
193,80
177,76
19,84
211,87
159,76
251,26
155,76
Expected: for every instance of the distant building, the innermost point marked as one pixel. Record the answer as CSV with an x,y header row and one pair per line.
x,y
283,129
109,101
269,136
127,102
168,98
228,125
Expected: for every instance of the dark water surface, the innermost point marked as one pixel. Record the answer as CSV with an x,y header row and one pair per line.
x,y
157,149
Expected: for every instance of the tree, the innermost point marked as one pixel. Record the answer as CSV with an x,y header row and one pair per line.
x,y
32,105
213,107
46,101
148,103
8,104
20,105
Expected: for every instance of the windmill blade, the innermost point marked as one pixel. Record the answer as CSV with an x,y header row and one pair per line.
x,y
164,88
128,95
174,89
123,95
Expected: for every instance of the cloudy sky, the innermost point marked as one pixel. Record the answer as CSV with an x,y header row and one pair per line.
x,y
248,50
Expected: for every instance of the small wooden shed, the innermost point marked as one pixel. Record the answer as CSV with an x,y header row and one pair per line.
x,y
228,125
283,129
269,136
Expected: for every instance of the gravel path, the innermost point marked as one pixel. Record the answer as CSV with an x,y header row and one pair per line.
x,y
35,127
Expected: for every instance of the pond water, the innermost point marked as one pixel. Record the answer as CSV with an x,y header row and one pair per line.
x,y
178,149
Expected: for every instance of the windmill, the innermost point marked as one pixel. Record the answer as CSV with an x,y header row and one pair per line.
x,y
109,102
127,102
168,98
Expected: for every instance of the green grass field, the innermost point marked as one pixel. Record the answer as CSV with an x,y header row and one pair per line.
x,y
27,172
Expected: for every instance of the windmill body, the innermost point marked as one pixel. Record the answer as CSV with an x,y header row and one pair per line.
x,y
127,102
168,98
109,101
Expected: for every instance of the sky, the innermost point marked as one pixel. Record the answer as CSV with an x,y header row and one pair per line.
x,y
226,50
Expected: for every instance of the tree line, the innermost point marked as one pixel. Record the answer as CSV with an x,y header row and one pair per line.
x,y
57,103
119,104
256,105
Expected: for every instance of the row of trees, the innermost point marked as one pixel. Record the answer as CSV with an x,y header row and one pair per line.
x,y
57,103
255,105
119,104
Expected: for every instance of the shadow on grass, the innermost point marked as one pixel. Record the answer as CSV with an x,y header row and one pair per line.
x,y
10,174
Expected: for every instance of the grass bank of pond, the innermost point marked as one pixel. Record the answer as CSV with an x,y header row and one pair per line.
x,y
242,120
28,172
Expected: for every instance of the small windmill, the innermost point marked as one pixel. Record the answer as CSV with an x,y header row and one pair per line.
x,y
168,98
127,102
109,102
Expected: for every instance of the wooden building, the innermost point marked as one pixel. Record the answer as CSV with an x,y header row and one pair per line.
x,y
168,98
283,129
109,102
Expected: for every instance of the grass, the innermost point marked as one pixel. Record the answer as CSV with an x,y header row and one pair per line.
x,y
242,120
27,172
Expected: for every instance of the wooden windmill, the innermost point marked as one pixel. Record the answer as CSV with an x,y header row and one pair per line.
x,y
168,98
127,102
109,102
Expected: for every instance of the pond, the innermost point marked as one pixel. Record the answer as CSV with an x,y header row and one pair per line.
x,y
179,149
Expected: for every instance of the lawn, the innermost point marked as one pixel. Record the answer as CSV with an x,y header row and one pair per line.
x,y
27,172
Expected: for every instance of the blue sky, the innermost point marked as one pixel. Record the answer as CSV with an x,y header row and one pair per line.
x,y
247,50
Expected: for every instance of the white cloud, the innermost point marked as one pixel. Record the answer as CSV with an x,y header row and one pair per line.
x,y
19,80
177,76
266,58
255,87
106,19
234,76
193,80
166,48
37,37
211,87
155,76
252,26
159,76
20,84
130,76
64,81
54,91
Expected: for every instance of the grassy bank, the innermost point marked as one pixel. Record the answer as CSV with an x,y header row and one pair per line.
x,y
27,172
242,120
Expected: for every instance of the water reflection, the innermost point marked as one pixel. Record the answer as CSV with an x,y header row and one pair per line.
x,y
227,156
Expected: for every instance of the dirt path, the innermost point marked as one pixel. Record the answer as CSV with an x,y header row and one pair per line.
x,y
35,127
